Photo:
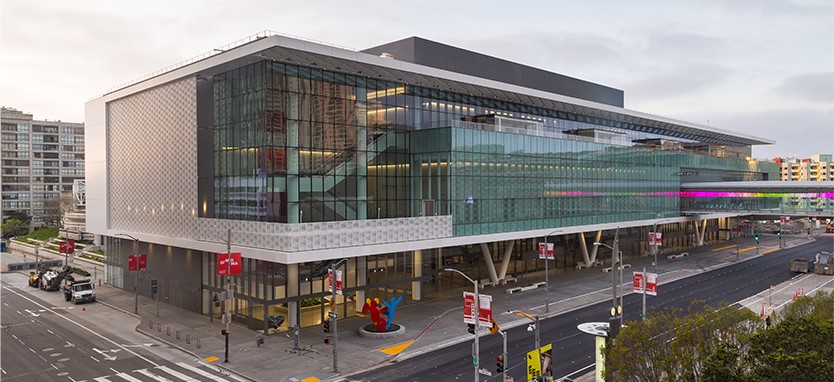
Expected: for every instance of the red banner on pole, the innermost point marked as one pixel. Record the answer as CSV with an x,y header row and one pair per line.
x,y
67,246
137,262
223,267
485,309
549,253
647,280
338,281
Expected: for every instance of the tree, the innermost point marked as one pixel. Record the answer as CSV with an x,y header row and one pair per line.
x,y
15,227
639,352
55,209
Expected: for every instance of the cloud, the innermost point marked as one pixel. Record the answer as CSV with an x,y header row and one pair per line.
x,y
810,86
678,82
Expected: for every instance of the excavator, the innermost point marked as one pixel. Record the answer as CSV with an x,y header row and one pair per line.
x,y
35,277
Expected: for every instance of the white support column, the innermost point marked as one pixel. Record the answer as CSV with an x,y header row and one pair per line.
x,y
292,291
594,250
417,271
488,260
361,278
587,259
505,261
699,231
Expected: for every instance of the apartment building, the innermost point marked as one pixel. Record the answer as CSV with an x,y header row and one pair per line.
x,y
40,160
817,168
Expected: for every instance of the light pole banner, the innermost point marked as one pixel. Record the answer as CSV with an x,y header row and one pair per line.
x,y
338,281
652,238
223,266
549,254
647,280
485,309
469,307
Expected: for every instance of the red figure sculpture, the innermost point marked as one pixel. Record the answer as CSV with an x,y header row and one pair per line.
x,y
376,310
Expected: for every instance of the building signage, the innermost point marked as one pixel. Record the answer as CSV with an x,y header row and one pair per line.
x,y
550,251
485,309
137,262
223,268
651,283
338,281
540,366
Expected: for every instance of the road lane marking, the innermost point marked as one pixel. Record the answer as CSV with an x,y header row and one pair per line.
x,y
101,379
83,327
201,372
177,374
723,248
127,377
152,375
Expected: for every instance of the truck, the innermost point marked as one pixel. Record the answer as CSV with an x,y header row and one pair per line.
x,y
802,265
78,291
51,280
825,264
35,277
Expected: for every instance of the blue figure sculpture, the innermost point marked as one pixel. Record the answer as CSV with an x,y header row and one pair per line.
x,y
392,306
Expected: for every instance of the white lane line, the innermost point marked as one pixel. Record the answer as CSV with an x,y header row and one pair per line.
x,y
102,379
201,372
127,377
177,374
83,327
152,375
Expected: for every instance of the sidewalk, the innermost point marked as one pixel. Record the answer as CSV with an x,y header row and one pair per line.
x,y
431,324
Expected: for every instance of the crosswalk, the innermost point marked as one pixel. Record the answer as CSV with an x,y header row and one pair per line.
x,y
179,372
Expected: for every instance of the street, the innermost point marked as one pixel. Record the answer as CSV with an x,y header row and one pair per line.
x,y
45,338
573,350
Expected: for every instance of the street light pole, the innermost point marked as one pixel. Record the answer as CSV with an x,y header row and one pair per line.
x,y
613,322
333,315
477,318
655,248
135,273
228,317
546,283
536,331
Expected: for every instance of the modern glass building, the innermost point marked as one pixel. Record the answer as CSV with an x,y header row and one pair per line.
x,y
403,159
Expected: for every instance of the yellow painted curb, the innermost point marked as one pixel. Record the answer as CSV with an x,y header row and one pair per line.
x,y
310,379
211,359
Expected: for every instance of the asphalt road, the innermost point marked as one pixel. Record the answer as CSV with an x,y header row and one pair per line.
x,y
573,350
45,338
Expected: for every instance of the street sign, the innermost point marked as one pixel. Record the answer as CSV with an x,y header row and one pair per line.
x,y
338,281
137,262
485,372
550,251
223,267
67,246
651,283
485,316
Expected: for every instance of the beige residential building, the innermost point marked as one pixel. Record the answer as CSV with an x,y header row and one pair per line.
x,y
40,160
817,168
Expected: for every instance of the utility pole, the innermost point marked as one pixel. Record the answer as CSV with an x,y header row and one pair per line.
x,y
546,283
333,315
644,284
477,314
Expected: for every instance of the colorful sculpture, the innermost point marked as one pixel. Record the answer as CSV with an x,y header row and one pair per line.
x,y
377,309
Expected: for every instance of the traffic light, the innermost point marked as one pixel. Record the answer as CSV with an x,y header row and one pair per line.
x,y
327,326
779,233
327,340
499,364
756,238
471,328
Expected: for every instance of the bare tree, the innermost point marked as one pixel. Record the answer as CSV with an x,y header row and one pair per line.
x,y
55,209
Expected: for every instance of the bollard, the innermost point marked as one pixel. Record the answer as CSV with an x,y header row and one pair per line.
x,y
188,339
178,334
168,330
159,327
198,343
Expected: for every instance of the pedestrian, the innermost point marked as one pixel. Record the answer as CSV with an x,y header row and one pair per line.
x,y
259,338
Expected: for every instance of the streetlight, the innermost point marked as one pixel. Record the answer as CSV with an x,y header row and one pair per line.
x,y
334,313
546,292
532,327
135,273
228,316
614,322
477,315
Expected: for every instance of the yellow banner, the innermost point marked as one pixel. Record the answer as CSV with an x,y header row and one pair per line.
x,y
535,363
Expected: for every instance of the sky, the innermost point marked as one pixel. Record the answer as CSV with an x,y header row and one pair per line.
x,y
758,67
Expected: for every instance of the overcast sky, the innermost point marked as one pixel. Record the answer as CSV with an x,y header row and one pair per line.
x,y
759,67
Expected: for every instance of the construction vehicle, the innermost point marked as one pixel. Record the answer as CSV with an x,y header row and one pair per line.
x,y
35,277
802,265
825,264
78,291
51,280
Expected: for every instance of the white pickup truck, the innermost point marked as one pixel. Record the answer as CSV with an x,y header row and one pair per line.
x,y
78,291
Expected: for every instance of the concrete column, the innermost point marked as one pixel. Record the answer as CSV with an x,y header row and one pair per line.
x,y
505,261
587,259
292,291
361,280
417,271
488,260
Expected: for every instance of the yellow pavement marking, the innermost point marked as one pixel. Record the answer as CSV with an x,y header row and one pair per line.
x,y
396,349
211,359
522,314
310,379
723,261
723,248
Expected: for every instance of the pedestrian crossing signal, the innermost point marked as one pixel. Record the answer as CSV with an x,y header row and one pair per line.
x,y
471,328
327,326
